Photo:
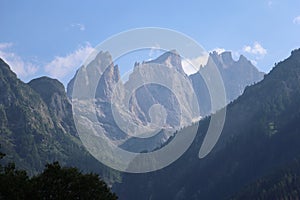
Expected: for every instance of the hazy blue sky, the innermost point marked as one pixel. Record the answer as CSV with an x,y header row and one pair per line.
x,y
52,37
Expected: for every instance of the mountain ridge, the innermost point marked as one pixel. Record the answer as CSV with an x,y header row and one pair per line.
x,y
36,126
144,97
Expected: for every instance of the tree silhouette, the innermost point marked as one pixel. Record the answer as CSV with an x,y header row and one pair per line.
x,y
58,182
55,182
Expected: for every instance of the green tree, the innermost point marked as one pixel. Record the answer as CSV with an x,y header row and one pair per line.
x,y
14,184
55,182
58,182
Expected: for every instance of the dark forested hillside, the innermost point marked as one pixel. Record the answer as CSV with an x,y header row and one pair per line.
x,y
261,135
281,184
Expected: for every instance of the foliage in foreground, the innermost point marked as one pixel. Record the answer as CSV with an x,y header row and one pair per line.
x,y
55,182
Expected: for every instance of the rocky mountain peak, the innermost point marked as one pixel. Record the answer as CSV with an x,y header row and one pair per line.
x,y
236,75
227,57
107,82
243,60
170,59
101,59
90,74
223,59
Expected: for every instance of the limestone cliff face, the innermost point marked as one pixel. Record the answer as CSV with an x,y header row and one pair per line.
x,y
107,82
171,59
89,76
236,76
173,111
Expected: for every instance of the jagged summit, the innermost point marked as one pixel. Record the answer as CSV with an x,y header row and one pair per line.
x,y
110,77
236,78
90,74
236,75
170,59
225,58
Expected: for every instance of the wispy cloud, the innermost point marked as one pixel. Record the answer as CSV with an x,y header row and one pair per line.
x,y
22,68
256,49
296,20
62,66
79,26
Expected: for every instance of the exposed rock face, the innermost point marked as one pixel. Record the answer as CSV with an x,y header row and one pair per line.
x,y
107,82
152,102
142,107
236,76
150,94
90,75
59,106
171,59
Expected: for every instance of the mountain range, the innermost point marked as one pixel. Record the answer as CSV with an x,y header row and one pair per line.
x,y
260,133
178,108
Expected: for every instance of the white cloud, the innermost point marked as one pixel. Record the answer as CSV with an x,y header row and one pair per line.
x,y
62,66
22,68
80,26
192,65
297,20
255,49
